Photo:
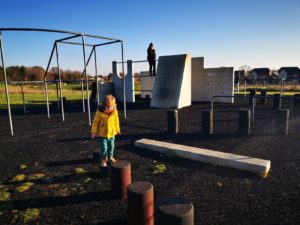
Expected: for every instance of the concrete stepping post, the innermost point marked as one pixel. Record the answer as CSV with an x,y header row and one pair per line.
x,y
297,104
252,95
120,178
140,203
277,101
173,121
244,121
282,121
175,211
263,99
96,156
207,122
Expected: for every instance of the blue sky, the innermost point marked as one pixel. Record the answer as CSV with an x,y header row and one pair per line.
x,y
258,33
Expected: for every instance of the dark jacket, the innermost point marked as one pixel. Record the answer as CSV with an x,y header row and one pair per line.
x,y
151,56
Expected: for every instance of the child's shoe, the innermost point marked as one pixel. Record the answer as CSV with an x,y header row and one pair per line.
x,y
112,160
103,162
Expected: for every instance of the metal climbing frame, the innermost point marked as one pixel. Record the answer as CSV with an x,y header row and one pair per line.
x,y
55,48
253,100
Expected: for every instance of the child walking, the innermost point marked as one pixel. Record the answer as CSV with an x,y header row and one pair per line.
x,y
106,126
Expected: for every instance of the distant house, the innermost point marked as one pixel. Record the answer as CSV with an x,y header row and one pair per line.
x,y
289,73
260,74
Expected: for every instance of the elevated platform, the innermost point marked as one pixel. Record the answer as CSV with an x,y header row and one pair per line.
x,y
240,162
146,84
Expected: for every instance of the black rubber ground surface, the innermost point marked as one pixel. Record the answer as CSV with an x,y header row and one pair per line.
x,y
219,195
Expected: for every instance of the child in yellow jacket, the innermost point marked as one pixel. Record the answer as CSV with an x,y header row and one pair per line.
x,y
106,126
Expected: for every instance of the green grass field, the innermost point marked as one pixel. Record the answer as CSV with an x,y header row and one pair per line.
x,y
35,94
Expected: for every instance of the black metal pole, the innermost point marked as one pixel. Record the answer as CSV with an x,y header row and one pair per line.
x,y
86,80
82,96
23,98
96,75
6,86
88,61
50,59
60,86
47,97
45,80
57,95
124,83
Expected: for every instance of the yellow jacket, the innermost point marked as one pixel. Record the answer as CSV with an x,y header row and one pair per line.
x,y
106,125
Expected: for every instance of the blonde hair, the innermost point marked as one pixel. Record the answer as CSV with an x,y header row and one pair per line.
x,y
110,101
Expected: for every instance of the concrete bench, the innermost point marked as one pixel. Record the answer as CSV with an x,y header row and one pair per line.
x,y
240,162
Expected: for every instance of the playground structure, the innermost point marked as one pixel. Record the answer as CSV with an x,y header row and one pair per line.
x,y
55,49
185,81
180,79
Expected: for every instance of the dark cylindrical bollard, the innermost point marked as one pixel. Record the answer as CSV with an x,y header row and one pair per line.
x,y
96,156
120,178
282,121
263,95
244,121
173,121
140,203
175,211
277,101
297,104
207,122
252,96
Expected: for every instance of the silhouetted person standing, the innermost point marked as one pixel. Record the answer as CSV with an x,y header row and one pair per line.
x,y
94,91
151,56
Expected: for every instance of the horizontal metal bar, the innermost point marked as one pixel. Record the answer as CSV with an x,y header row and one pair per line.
x,y
48,81
57,31
67,38
255,96
138,61
27,82
107,43
143,76
90,45
144,90
250,96
75,43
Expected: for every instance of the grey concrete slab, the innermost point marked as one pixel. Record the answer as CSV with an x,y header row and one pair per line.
x,y
218,81
255,165
105,89
118,81
146,84
209,82
197,78
172,85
